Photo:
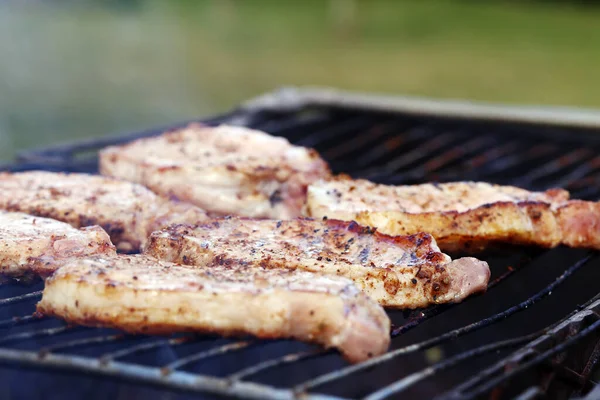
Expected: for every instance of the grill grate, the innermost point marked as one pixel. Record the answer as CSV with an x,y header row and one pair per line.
x,y
534,332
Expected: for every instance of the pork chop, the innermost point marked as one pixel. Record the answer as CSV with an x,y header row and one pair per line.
x,y
127,211
396,271
31,246
140,294
461,215
225,170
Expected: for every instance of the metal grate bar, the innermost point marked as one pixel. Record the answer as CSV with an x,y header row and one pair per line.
x,y
32,334
62,154
335,131
582,171
517,163
480,166
19,320
82,342
269,122
424,162
388,147
555,166
420,317
565,373
493,382
586,189
335,375
594,394
144,347
485,160
531,393
207,354
423,151
593,360
456,153
424,315
416,377
155,376
589,368
375,135
574,319
17,299
277,362
294,127
382,150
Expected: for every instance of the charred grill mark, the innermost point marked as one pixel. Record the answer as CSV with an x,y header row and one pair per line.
x,y
275,198
535,215
423,273
354,227
364,255
391,282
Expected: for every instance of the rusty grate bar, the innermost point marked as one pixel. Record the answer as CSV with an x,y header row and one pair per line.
x,y
574,157
416,377
338,374
381,132
372,159
569,324
492,383
589,366
336,131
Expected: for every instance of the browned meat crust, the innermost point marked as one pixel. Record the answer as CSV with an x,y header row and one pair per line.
x,y
140,294
127,211
32,246
400,271
461,215
225,170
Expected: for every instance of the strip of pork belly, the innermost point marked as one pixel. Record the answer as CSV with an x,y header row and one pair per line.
x,y
398,272
462,216
226,170
32,246
127,211
140,294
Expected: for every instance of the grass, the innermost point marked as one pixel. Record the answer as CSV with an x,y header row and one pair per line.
x,y
501,52
88,70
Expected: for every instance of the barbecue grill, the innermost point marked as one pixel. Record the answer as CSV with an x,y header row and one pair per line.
x,y
534,334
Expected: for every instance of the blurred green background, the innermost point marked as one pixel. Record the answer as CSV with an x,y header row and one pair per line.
x,y
72,69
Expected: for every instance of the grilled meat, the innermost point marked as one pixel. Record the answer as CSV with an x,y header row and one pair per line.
x,y
461,215
32,246
127,211
225,170
140,294
400,271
